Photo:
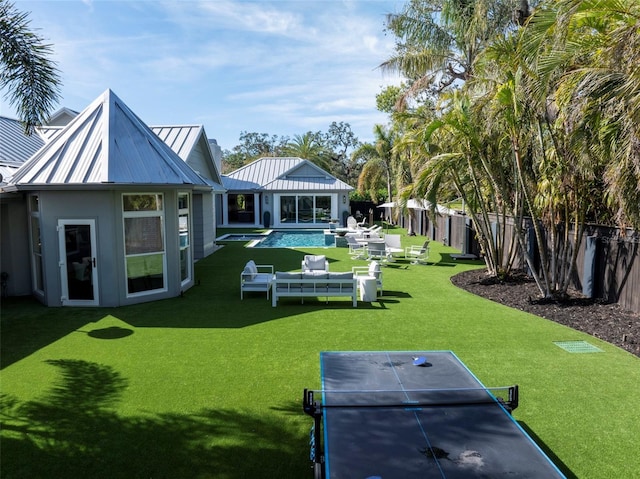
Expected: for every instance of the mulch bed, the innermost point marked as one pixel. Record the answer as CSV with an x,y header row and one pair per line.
x,y
605,321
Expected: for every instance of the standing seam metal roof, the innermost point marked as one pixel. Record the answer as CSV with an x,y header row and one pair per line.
x,y
106,144
15,146
278,173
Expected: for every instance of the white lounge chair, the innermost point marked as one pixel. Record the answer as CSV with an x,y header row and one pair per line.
x,y
417,254
356,250
393,245
352,223
313,262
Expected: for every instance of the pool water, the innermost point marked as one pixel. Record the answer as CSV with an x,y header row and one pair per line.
x,y
241,237
297,239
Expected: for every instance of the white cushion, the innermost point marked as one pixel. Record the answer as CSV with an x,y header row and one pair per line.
x,y
253,269
374,269
345,275
247,274
315,262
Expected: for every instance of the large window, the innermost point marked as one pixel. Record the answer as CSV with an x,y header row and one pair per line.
x,y
184,232
305,209
143,216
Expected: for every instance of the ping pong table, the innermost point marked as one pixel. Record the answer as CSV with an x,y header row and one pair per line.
x,y
392,415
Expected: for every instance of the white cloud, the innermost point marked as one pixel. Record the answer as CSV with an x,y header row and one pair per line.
x,y
281,67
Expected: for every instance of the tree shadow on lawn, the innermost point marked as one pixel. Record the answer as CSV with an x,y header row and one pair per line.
x,y
28,326
74,432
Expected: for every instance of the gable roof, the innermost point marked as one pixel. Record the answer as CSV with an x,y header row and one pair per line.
x,y
106,144
283,174
186,141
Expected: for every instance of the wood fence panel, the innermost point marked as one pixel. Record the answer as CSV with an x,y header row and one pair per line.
x,y
617,259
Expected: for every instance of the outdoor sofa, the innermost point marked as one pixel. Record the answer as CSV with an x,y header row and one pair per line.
x,y
314,284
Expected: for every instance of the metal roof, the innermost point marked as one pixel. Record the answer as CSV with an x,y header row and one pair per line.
x,y
180,138
105,144
48,132
283,174
15,146
185,140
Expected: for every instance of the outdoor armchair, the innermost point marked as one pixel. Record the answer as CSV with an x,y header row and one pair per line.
x,y
377,250
373,270
256,277
417,254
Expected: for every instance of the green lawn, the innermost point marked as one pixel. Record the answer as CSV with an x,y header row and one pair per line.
x,y
208,386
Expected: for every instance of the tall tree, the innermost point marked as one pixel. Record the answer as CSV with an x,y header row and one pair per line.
x,y
595,45
29,76
438,41
340,141
379,160
309,146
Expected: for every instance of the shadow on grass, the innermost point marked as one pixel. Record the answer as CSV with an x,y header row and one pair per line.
x,y
549,452
74,432
28,326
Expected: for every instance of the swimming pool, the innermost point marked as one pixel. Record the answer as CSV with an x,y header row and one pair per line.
x,y
297,239
241,237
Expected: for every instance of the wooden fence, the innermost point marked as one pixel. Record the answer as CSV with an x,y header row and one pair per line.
x,y
607,264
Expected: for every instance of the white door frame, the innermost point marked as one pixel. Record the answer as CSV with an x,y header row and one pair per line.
x,y
90,262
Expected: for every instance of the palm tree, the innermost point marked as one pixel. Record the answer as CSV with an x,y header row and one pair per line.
x,y
378,158
598,94
310,147
29,76
438,41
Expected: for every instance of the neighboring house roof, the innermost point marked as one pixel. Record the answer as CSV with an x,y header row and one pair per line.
x,y
191,144
62,117
106,144
15,146
282,174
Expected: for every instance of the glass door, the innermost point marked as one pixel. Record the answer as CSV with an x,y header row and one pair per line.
x,y
78,266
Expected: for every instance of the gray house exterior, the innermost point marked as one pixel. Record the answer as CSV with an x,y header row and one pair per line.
x,y
282,192
106,213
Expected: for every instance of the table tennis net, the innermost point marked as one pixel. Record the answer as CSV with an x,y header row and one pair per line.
x,y
507,396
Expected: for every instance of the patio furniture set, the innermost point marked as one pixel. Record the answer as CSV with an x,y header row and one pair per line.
x,y
314,280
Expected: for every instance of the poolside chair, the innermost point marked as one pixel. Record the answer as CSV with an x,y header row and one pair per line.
x,y
312,263
376,250
417,254
352,223
377,229
356,250
393,245
372,270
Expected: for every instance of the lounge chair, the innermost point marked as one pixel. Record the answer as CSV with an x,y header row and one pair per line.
x,y
393,245
352,223
312,263
373,270
356,250
417,254
375,229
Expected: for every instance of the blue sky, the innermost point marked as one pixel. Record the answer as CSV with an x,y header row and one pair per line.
x,y
277,67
